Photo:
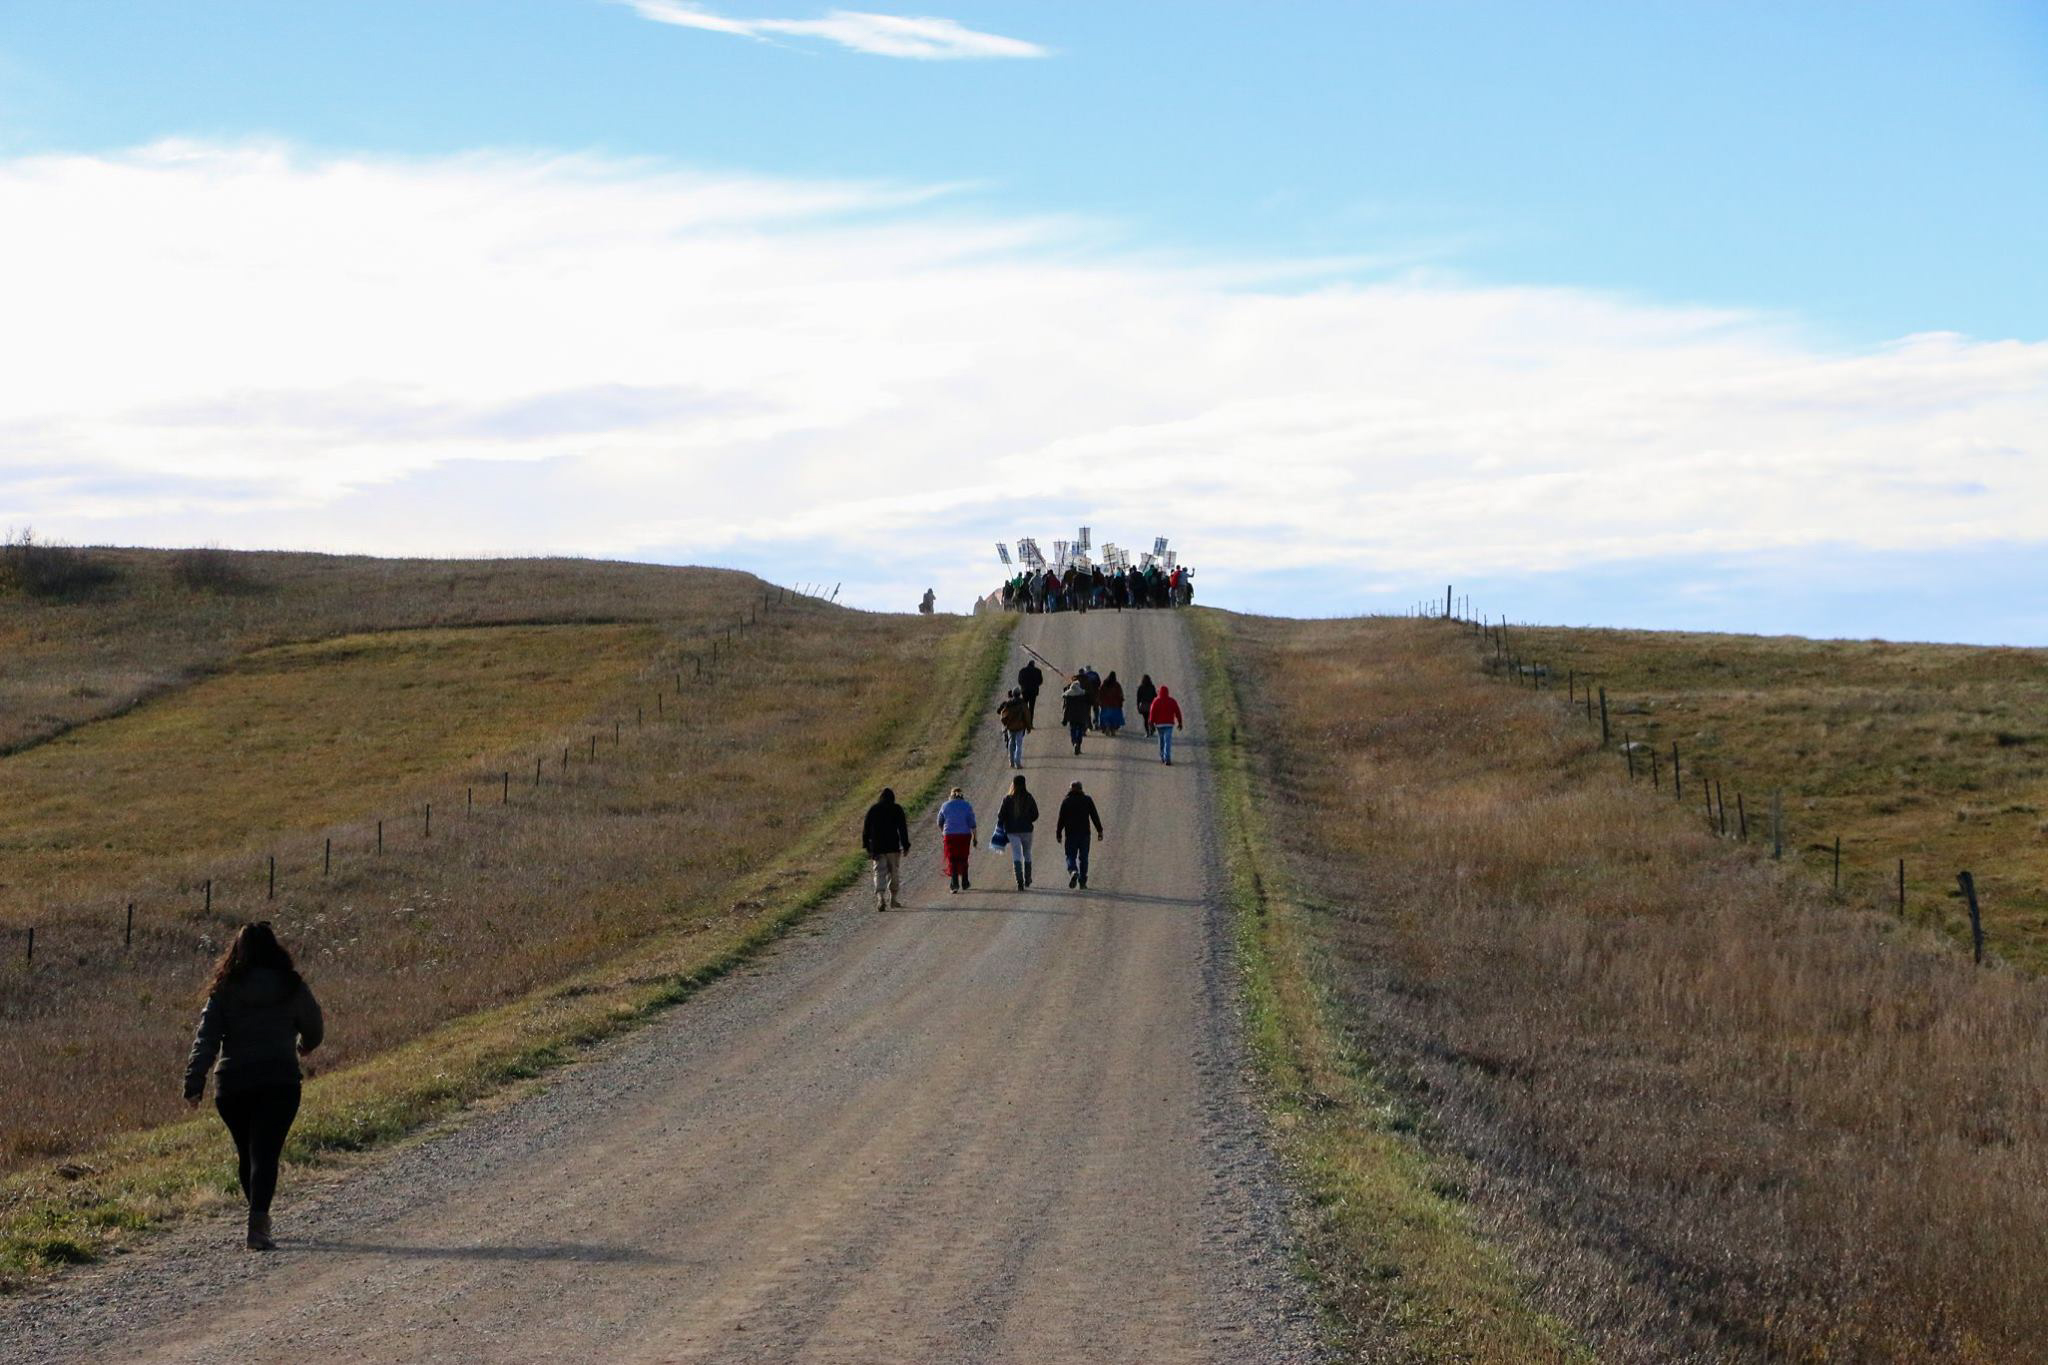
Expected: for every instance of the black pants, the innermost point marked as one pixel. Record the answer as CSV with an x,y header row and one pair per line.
x,y
259,1119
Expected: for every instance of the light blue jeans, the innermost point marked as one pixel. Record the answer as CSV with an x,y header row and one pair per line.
x,y
1165,743
1016,742
1020,846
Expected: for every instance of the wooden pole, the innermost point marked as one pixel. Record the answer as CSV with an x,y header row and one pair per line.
x,y
1969,885
1603,717
1902,888
380,836
31,945
1628,751
271,894
327,856
1656,772
1677,781
1721,801
128,934
1741,819
1838,864
1777,822
427,830
209,895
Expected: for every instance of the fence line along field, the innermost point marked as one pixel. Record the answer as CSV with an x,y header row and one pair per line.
x,y
590,781
1936,755
1716,1112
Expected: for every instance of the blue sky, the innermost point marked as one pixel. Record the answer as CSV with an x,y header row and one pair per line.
x,y
1756,202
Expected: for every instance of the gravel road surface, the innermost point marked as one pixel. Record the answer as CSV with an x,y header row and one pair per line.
x,y
996,1126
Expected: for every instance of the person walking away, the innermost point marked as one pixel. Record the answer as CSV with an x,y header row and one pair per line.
x,y
1165,716
956,824
1109,702
885,835
1077,813
1016,720
1144,695
924,604
1074,712
1017,818
1029,681
260,1018
1092,682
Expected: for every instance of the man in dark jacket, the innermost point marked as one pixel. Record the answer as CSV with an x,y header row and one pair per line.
x,y
1077,813
885,835
1074,712
1029,680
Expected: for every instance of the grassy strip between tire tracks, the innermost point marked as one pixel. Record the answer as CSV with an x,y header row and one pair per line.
x,y
100,1201
1403,1271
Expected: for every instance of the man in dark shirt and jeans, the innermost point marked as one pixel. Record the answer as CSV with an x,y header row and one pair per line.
x,y
885,834
1077,813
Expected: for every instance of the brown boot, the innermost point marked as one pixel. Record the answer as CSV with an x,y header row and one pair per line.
x,y
259,1233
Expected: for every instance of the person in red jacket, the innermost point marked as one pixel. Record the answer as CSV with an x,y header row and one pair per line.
x,y
1165,718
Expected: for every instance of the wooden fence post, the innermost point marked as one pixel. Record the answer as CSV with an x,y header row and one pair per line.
x,y
1677,781
1777,822
1603,717
427,831
1721,801
31,945
327,856
1838,864
1969,885
380,836
1628,751
1741,819
1902,888
209,895
271,894
128,934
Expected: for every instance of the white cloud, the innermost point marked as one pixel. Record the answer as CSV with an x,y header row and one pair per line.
x,y
880,35
496,353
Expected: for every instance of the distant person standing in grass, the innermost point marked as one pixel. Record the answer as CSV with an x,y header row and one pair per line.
x,y
1165,717
956,824
1074,711
1143,696
885,834
1017,818
1077,813
259,1013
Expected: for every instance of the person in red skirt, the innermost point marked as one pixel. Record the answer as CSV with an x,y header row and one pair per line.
x,y
956,825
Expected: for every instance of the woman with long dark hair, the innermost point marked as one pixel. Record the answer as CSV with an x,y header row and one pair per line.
x,y
259,1013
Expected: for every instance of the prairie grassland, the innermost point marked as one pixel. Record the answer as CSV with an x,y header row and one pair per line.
x,y
652,827
1937,754
1712,1112
286,739
158,624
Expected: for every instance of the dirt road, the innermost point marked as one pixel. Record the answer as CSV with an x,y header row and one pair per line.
x,y
998,1126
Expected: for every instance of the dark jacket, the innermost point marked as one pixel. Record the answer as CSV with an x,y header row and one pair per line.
x,y
1146,692
1018,814
1030,679
255,1024
1112,693
886,830
1077,812
1074,708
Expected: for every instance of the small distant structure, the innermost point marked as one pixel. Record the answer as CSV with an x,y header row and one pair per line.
x,y
924,608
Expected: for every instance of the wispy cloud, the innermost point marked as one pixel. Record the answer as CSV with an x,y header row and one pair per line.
x,y
260,347
880,35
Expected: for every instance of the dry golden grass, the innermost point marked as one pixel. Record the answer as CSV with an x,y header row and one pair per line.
x,y
1714,1113
648,831
1937,754
159,622
287,739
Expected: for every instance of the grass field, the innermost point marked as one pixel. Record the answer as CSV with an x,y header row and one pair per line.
x,y
1935,754
661,797
287,739
93,653
1708,1110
